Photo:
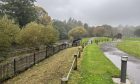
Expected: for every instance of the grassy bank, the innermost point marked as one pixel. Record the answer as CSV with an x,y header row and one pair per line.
x,y
94,68
102,38
133,39
131,47
84,40
48,71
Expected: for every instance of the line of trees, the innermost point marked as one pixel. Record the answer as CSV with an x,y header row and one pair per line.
x,y
31,35
128,31
24,24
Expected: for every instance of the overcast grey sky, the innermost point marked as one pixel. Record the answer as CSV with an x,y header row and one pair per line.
x,y
95,12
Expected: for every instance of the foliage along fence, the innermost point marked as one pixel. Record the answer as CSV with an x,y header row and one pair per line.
x,y
22,63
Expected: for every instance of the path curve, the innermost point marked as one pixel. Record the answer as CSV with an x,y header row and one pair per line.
x,y
114,54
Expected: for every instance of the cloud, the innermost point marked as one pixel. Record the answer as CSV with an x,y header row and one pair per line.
x,y
95,12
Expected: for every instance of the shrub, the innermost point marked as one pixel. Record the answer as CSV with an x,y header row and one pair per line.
x,y
77,32
8,31
34,35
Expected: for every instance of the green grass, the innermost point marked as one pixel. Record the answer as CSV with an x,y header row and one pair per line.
x,y
130,47
101,39
133,39
94,68
84,40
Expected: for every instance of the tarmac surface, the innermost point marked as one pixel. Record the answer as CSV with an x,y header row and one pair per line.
x,y
133,64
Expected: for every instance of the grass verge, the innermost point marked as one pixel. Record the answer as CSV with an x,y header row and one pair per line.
x,y
101,39
132,39
130,47
84,40
94,68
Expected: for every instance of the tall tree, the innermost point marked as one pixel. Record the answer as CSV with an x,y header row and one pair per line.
x,y
86,26
108,30
77,32
23,11
42,16
72,23
90,31
8,32
62,28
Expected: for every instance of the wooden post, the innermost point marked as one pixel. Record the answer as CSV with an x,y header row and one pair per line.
x,y
65,46
75,63
53,50
83,46
97,42
34,59
64,80
14,66
79,52
27,66
91,41
46,52
59,47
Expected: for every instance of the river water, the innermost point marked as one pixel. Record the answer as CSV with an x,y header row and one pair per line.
x,y
114,54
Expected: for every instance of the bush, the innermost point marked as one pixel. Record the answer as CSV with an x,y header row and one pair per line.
x,y
49,35
34,35
8,31
29,35
77,32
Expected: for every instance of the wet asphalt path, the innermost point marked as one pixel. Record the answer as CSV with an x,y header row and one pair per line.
x,y
114,54
90,40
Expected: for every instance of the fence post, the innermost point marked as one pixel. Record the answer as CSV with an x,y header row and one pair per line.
x,y
27,62
75,63
68,45
84,44
97,42
34,58
123,68
14,66
64,80
60,47
79,52
53,50
91,41
82,49
57,48
46,52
